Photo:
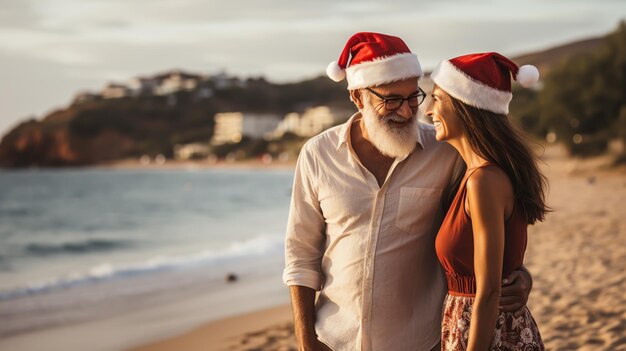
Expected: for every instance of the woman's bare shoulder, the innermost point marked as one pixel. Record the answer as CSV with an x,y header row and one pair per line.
x,y
490,180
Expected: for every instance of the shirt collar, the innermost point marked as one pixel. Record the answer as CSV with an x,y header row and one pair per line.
x,y
344,133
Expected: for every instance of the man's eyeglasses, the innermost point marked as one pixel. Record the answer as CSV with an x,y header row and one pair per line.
x,y
394,103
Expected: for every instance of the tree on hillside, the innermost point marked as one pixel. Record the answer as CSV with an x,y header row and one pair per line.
x,y
583,98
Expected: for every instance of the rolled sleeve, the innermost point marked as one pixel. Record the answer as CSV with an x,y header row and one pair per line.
x,y
305,237
303,277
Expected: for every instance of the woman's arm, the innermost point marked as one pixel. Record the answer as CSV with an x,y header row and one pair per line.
x,y
488,193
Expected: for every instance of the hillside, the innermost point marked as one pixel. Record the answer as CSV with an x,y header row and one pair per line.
x,y
95,129
151,115
546,60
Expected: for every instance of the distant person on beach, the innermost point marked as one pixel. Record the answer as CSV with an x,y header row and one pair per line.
x,y
368,198
483,236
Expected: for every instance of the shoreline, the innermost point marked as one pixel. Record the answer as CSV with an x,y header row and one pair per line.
x,y
254,330
153,307
169,165
573,165
254,164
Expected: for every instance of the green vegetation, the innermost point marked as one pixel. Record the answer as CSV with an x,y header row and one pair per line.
x,y
583,99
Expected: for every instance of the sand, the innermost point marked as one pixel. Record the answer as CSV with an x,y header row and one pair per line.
x,y
269,329
577,258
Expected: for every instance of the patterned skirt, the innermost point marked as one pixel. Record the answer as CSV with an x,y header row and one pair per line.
x,y
512,333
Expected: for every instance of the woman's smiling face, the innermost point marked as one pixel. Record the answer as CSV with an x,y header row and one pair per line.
x,y
448,124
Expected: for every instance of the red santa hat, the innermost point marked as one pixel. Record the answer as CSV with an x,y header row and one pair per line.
x,y
483,80
371,59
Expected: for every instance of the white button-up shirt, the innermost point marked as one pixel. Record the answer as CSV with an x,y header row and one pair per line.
x,y
370,249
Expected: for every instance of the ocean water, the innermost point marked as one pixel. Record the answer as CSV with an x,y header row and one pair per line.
x,y
111,234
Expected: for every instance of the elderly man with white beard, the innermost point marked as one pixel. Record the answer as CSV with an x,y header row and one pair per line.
x,y
368,198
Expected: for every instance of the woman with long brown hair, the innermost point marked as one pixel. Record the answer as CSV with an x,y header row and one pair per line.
x,y
483,236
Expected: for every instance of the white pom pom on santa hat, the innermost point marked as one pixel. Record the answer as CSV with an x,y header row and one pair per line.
x,y
527,76
335,72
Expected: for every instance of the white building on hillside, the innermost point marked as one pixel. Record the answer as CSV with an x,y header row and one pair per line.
x,y
311,122
222,81
140,86
315,120
257,126
84,97
114,91
176,82
231,127
190,151
228,128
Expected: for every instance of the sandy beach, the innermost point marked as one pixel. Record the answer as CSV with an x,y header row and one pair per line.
x,y
577,258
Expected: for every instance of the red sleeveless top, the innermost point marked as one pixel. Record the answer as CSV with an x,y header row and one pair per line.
x,y
455,243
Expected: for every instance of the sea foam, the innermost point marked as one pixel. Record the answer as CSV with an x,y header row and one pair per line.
x,y
235,253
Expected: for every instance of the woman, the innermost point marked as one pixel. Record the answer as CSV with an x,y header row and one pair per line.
x,y
483,236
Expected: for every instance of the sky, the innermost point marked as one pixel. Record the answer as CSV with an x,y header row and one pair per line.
x,y
52,49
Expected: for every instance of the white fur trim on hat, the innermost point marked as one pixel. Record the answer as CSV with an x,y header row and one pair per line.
x,y
472,92
384,70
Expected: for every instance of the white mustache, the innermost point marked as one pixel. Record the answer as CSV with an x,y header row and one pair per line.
x,y
393,135
395,118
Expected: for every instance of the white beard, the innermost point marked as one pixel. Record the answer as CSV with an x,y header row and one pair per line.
x,y
390,140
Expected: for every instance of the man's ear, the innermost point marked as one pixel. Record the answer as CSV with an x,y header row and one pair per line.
x,y
357,98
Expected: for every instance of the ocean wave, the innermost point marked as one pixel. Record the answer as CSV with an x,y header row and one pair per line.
x,y
249,249
78,247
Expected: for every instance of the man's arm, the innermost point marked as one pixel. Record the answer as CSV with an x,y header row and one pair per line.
x,y
306,227
303,305
304,248
515,291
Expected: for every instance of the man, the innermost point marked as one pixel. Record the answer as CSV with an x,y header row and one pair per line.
x,y
368,198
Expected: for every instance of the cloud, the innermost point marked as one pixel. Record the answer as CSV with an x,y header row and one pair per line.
x,y
32,87
17,14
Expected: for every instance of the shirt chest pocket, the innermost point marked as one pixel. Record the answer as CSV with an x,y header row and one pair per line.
x,y
417,209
